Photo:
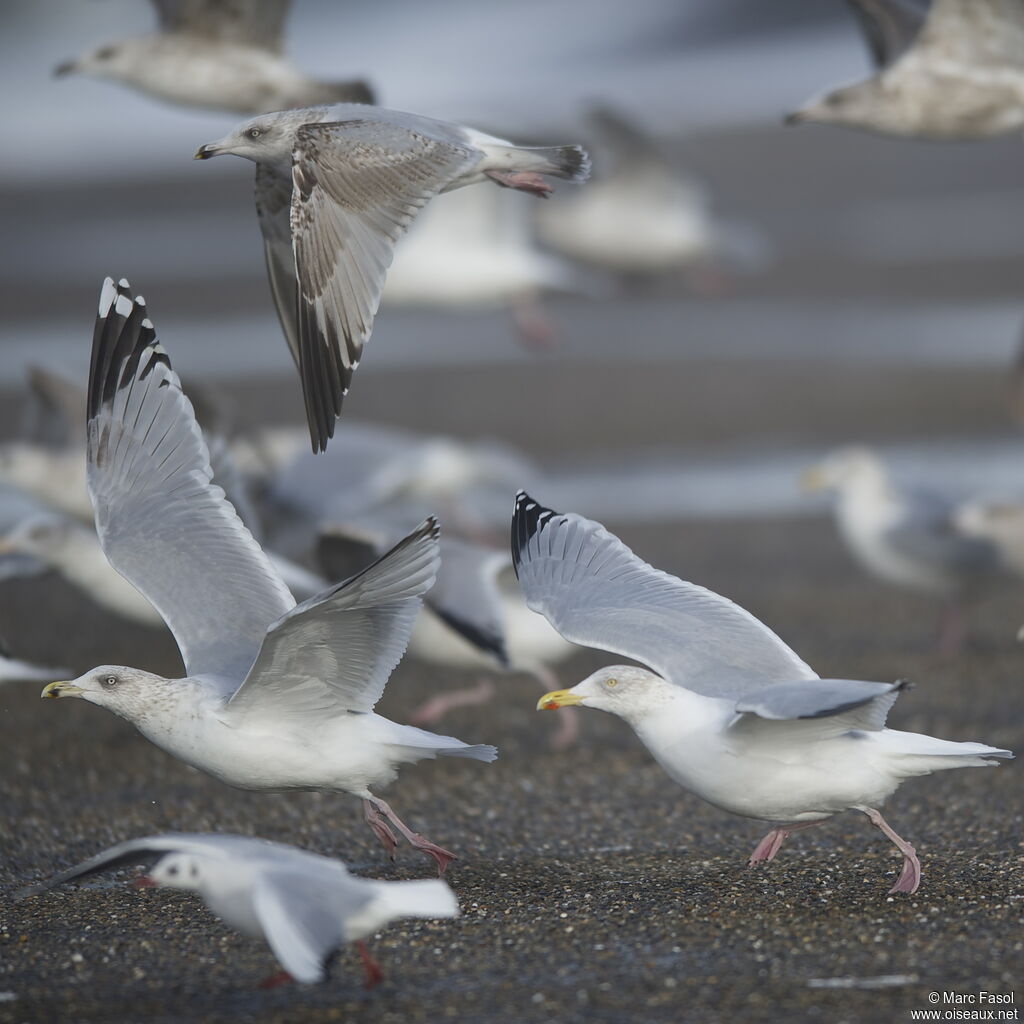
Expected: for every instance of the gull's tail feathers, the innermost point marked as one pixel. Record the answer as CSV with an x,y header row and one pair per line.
x,y
916,754
419,744
420,898
569,162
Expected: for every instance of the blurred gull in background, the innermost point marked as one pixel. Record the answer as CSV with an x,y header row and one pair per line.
x,y
905,536
305,906
956,74
222,56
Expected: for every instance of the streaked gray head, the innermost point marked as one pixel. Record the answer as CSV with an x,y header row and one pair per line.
x,y
129,692
859,105
117,60
846,467
267,139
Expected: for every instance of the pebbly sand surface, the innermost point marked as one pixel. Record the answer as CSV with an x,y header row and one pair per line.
x,y
592,888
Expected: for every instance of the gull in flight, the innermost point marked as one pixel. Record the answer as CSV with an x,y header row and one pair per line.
x,y
955,71
726,708
276,695
336,187
305,906
216,55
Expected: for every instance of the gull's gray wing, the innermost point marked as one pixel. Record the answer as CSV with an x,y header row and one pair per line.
x,y
596,592
467,596
889,26
273,207
146,851
356,187
821,699
163,525
303,917
258,23
986,34
336,651
927,533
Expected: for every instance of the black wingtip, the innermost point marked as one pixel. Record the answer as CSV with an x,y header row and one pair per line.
x,y
123,332
529,516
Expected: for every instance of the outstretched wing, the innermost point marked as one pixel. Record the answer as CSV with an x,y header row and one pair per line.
x,y
356,187
258,23
335,652
982,33
889,26
596,592
161,522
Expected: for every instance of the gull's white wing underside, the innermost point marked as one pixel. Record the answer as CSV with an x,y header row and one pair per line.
x,y
596,592
336,651
163,525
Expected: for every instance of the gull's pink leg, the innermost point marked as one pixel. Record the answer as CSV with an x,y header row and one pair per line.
x,y
536,331
769,846
524,181
375,820
441,856
433,710
910,876
276,980
952,629
374,975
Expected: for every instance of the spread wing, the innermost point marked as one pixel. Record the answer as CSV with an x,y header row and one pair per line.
x,y
889,26
596,592
273,207
982,33
161,522
303,917
356,187
258,23
336,651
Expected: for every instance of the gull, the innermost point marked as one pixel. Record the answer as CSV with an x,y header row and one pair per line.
x,y
474,618
336,187
957,73
215,55
276,695
473,249
303,905
14,669
905,537
726,708
642,216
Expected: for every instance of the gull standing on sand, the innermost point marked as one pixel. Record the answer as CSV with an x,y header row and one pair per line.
x,y
729,711
336,187
957,73
277,696
305,906
906,537
217,55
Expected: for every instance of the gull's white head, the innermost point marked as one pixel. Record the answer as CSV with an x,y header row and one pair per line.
x,y
843,469
45,536
267,139
624,690
129,692
176,871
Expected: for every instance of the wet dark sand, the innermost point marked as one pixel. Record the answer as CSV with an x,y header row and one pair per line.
x,y
593,889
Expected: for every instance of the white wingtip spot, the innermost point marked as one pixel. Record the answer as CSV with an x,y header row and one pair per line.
x,y
140,301
124,283
148,325
107,295
123,306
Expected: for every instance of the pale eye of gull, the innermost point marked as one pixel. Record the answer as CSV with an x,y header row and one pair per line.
x,y
611,682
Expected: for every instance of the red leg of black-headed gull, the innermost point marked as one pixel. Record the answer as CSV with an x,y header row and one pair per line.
x,y
952,629
432,711
523,181
769,846
910,876
536,331
276,980
379,825
441,856
374,975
